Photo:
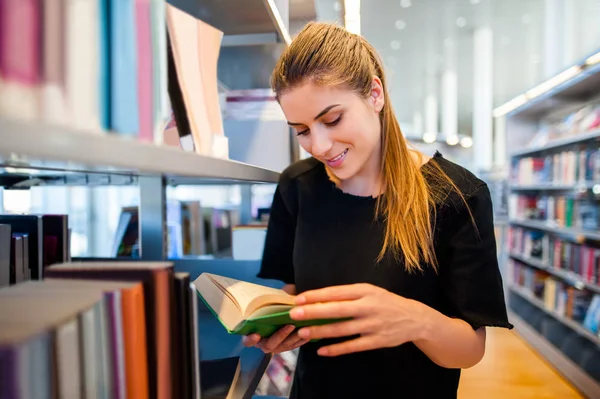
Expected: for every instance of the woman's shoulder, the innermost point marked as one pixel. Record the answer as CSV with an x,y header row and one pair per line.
x,y
463,180
303,170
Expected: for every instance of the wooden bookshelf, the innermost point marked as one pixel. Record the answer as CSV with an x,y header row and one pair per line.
x,y
569,277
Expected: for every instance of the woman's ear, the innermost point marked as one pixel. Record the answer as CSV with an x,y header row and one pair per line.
x,y
377,95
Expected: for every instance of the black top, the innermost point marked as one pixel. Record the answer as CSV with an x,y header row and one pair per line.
x,y
319,236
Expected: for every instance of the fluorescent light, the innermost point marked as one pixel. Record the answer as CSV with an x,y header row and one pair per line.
x,y
553,82
461,22
395,44
593,60
400,24
509,106
452,139
405,3
475,2
352,16
466,142
429,138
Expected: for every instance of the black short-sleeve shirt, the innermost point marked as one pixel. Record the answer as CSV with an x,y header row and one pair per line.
x,y
319,236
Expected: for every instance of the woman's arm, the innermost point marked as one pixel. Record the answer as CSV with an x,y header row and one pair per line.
x,y
450,343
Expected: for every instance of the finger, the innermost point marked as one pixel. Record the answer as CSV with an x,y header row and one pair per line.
x,y
277,338
329,310
335,293
251,340
290,343
364,343
336,330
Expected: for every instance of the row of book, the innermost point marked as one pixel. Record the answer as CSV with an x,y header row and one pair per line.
x,y
92,65
556,253
557,210
119,66
100,330
30,243
567,167
581,306
581,121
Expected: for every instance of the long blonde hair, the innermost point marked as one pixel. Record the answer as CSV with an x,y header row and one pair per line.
x,y
327,54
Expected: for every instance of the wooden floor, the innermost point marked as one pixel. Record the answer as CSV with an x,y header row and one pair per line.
x,y
510,369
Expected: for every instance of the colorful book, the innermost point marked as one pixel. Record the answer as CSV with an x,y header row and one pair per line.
x,y
54,96
246,308
20,58
145,70
161,109
124,68
82,38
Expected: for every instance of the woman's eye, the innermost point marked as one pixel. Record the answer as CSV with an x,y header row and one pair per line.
x,y
302,132
334,122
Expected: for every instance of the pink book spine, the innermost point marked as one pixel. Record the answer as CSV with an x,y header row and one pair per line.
x,y
20,41
144,52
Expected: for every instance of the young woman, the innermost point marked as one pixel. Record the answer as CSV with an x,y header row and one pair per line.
x,y
397,245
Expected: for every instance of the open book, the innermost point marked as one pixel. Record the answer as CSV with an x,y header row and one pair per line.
x,y
246,308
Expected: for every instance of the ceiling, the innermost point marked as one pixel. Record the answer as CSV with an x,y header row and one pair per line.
x,y
412,36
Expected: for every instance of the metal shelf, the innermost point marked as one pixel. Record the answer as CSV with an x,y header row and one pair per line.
x,y
570,277
578,186
569,369
575,326
579,88
577,234
30,148
254,17
559,143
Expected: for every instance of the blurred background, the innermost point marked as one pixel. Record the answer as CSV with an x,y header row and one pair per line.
x,y
149,127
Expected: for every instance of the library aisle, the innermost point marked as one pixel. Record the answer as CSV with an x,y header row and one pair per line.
x,y
511,369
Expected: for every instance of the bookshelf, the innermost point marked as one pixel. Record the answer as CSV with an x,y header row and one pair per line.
x,y
577,235
569,323
553,179
35,152
58,149
570,277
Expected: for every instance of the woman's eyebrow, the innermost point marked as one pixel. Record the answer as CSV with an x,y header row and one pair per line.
x,y
325,110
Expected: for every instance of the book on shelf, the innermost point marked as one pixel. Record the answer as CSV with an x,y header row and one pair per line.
x,y
194,48
245,308
95,66
576,304
564,168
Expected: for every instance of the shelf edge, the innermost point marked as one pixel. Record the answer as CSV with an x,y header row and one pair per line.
x,y
562,364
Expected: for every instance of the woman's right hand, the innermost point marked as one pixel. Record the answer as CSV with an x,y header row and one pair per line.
x,y
283,340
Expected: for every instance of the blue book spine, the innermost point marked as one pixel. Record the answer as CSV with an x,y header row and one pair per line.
x,y
123,61
104,57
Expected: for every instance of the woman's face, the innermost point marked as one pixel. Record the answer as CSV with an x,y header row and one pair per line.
x,y
336,126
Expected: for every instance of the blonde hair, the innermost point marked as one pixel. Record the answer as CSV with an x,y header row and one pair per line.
x,y
327,54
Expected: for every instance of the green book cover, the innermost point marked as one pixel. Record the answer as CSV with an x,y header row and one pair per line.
x,y
266,325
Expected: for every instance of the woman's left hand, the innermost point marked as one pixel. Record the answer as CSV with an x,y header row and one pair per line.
x,y
381,318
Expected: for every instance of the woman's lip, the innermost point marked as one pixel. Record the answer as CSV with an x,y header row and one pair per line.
x,y
338,160
332,159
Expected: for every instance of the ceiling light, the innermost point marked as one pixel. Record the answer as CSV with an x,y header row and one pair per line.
x,y
466,142
395,44
352,16
596,189
593,60
475,2
400,24
553,82
405,3
452,140
429,138
461,22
